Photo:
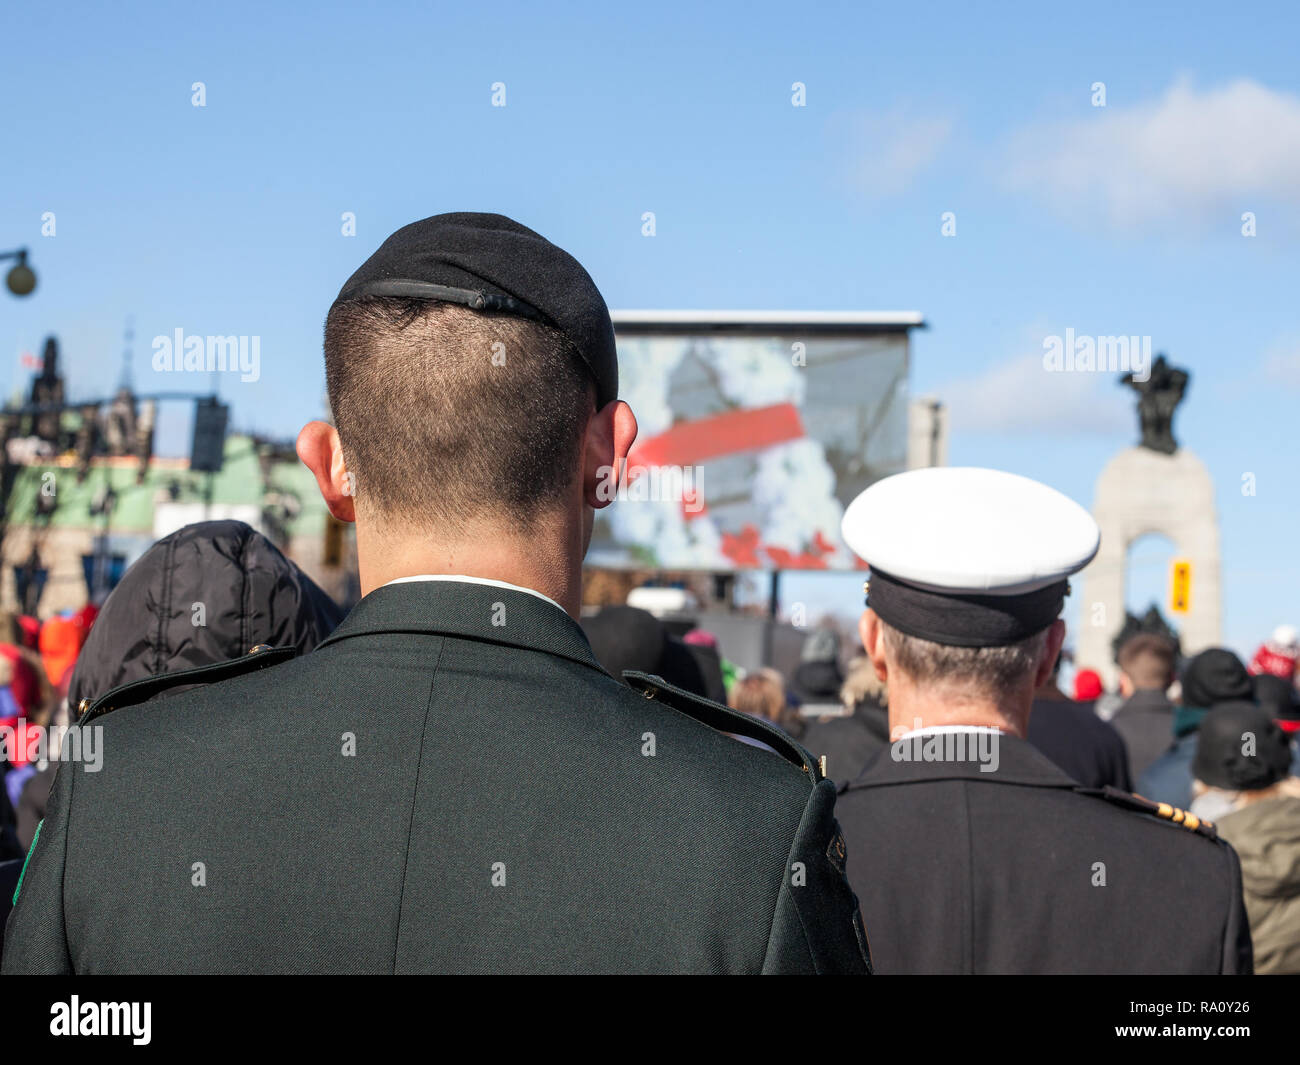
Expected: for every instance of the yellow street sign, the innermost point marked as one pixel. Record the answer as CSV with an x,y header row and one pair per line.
x,y
1180,586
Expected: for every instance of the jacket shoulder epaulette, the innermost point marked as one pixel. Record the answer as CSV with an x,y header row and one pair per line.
x,y
724,719
139,691
1162,810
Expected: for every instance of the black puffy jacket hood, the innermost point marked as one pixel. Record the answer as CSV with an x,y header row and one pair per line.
x,y
204,594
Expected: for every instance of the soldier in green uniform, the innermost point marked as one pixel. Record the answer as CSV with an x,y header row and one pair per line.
x,y
450,782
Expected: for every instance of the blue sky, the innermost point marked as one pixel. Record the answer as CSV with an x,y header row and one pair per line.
x,y
1125,219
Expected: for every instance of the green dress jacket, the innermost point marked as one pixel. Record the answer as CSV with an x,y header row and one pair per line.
x,y
449,783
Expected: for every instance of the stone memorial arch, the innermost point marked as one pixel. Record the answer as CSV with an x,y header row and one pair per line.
x,y
1156,487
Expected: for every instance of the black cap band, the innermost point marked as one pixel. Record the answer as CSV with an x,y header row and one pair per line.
x,y
964,620
475,299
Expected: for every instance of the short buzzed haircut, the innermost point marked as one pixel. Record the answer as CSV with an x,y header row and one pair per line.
x,y
446,414
1147,659
994,672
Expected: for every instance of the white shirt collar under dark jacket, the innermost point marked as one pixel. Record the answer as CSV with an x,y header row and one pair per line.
x,y
936,730
476,580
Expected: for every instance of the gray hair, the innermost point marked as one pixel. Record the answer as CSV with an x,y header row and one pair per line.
x,y
991,671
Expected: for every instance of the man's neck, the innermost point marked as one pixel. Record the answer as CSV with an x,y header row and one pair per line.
x,y
913,708
541,563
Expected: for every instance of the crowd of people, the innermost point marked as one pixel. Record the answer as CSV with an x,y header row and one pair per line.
x,y
36,663
1171,733
1148,736
468,774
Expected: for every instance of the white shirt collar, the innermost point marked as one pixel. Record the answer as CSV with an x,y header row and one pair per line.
x,y
937,730
476,580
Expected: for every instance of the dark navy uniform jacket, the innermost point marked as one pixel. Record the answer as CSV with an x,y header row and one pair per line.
x,y
1020,871
449,783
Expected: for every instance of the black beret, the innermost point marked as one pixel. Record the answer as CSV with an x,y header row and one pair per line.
x,y
491,263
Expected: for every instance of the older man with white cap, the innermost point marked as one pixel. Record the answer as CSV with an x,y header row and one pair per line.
x,y
973,852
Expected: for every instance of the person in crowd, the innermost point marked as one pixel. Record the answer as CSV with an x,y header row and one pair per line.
x,y
629,639
848,740
31,632
1277,655
26,701
981,855
761,695
13,755
16,749
432,787
1145,721
11,847
26,632
818,678
1076,739
717,671
30,691
793,712
206,593
1244,785
1214,676
61,640
29,699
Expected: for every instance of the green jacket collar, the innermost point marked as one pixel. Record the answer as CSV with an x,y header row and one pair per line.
x,y
471,611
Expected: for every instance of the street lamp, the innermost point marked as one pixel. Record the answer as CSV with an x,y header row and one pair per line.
x,y
20,280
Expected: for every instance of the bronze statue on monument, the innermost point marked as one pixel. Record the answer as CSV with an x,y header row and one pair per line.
x,y
1158,397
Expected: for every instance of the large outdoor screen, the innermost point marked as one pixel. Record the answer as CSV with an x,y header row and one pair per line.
x,y
751,446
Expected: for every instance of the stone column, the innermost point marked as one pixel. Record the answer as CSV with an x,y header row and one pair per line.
x,y
1141,491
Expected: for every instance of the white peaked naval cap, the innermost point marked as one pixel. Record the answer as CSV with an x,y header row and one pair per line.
x,y
966,556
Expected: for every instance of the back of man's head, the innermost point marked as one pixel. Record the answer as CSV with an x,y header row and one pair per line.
x,y
449,416
1000,674
1147,659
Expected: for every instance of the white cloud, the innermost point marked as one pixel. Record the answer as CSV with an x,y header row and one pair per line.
x,y
1282,361
1185,156
887,151
1020,396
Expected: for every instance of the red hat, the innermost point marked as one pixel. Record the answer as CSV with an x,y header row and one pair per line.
x,y
1087,685
1274,659
700,638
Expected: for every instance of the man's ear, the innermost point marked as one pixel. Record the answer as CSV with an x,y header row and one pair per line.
x,y
318,447
1052,648
873,642
610,434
